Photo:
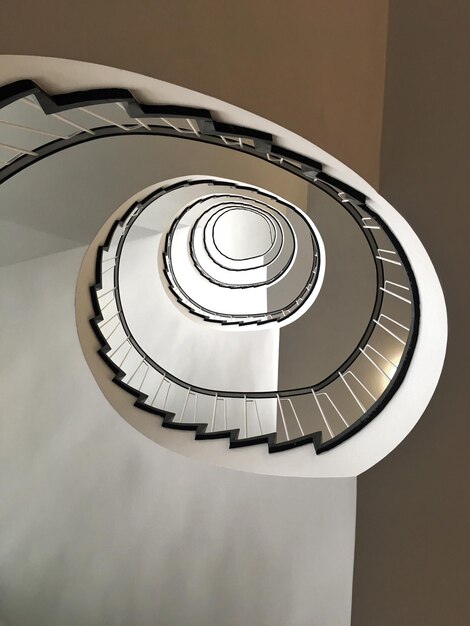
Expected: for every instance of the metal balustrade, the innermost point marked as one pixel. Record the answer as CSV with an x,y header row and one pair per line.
x,y
34,125
278,264
337,404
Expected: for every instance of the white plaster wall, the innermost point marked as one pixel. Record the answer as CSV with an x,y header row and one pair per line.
x,y
101,526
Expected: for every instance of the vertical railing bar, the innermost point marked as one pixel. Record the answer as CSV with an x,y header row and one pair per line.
x,y
60,117
274,159
105,293
9,160
144,377
394,321
296,417
103,119
113,352
390,282
102,308
245,416
369,227
282,417
382,258
114,329
352,392
142,123
375,364
257,415
7,146
32,130
225,413
196,397
361,383
323,393
389,332
167,392
185,404
138,368
108,320
213,413
193,127
392,293
125,357
179,130
381,355
228,143
158,389
139,121
322,413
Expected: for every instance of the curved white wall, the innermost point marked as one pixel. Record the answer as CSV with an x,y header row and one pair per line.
x,y
102,526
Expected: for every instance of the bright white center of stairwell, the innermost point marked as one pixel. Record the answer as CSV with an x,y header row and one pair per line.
x,y
242,234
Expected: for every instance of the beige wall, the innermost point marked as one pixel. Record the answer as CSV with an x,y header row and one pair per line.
x,y
413,524
314,67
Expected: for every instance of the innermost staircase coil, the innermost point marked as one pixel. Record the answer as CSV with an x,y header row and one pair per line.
x,y
276,282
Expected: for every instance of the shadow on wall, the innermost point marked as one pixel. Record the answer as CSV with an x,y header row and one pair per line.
x,y
119,530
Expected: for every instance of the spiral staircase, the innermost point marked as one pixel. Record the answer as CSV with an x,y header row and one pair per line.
x,y
282,418
215,275
236,271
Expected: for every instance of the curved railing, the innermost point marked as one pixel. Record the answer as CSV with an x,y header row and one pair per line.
x,y
322,394
209,314
212,412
